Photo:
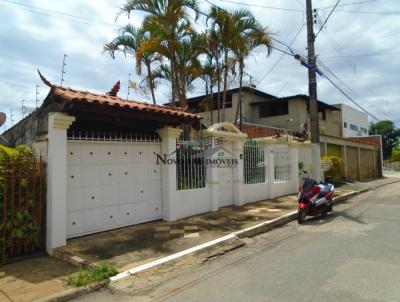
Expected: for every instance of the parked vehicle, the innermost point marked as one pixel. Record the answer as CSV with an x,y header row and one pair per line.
x,y
314,199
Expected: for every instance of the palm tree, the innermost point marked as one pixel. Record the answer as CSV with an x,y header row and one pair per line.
x,y
223,32
167,23
250,35
128,42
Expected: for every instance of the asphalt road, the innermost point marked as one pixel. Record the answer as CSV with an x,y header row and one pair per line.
x,y
351,255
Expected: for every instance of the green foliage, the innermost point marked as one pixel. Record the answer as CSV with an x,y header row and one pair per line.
x,y
20,224
88,276
390,135
300,166
336,171
395,155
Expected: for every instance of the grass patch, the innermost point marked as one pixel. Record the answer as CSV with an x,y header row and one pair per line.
x,y
88,276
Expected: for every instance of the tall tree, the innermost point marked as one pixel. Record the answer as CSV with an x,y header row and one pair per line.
x,y
250,35
127,42
390,135
223,30
167,23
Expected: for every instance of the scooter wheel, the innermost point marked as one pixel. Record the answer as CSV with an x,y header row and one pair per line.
x,y
301,216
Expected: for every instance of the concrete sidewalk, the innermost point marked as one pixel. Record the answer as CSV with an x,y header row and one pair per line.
x,y
132,246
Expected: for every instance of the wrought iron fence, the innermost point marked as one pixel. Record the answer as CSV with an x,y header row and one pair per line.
x,y
282,163
22,206
109,136
190,164
254,162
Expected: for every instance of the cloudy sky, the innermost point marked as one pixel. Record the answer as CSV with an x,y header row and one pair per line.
x,y
358,49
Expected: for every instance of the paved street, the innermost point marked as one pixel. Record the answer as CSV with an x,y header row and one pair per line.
x,y
352,255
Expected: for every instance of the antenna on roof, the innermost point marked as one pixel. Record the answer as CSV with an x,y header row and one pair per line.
x,y
12,117
37,94
63,69
23,109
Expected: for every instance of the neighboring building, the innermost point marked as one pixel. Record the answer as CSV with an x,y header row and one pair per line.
x,y
265,109
354,122
289,112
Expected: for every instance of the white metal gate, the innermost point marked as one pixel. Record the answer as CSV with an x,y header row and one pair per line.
x,y
111,184
225,188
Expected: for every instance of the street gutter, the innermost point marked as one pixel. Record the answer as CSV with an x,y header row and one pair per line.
x,y
245,233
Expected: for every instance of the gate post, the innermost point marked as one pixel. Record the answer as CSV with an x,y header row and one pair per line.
x,y
213,182
269,168
56,222
294,163
168,171
238,181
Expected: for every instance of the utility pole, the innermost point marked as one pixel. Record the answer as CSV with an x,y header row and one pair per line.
x,y
312,90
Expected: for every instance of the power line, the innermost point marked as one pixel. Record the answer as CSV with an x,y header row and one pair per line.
x,y
368,12
263,6
52,13
280,58
365,55
326,20
349,4
345,85
350,98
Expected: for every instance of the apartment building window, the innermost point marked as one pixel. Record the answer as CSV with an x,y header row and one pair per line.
x,y
345,124
273,109
353,127
363,130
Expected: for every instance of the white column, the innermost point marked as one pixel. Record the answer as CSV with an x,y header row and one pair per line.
x,y
168,171
213,183
294,163
270,168
238,181
56,227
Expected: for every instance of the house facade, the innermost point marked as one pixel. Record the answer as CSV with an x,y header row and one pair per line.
x,y
289,112
112,163
353,122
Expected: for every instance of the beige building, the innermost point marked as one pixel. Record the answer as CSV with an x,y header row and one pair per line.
x,y
265,109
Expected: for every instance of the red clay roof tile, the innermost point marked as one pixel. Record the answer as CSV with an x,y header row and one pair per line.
x,y
72,95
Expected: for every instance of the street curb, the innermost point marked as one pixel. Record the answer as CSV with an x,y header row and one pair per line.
x,y
72,293
245,233
248,232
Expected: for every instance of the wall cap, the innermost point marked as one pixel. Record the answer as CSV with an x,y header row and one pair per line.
x,y
169,132
60,120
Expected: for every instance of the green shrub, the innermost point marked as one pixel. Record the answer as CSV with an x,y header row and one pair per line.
x,y
88,276
396,155
337,170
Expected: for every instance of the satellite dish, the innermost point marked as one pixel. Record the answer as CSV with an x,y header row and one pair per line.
x,y
2,118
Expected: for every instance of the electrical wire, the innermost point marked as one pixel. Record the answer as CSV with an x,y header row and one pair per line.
x,y
54,13
282,55
263,6
327,69
326,20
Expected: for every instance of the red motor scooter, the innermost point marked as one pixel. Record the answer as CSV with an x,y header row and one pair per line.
x,y
314,199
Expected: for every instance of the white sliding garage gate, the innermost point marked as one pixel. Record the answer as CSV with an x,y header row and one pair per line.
x,y
111,184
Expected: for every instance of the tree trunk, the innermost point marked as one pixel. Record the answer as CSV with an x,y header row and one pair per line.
x,y
239,108
219,93
151,82
212,103
225,84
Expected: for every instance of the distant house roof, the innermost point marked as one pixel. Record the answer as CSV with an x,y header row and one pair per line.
x,y
296,96
192,101
234,90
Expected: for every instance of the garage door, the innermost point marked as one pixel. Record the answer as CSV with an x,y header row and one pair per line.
x,y
111,185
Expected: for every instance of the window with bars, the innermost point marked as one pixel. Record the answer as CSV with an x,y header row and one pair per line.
x,y
282,163
253,162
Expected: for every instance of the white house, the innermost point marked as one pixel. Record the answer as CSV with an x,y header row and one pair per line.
x,y
353,122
